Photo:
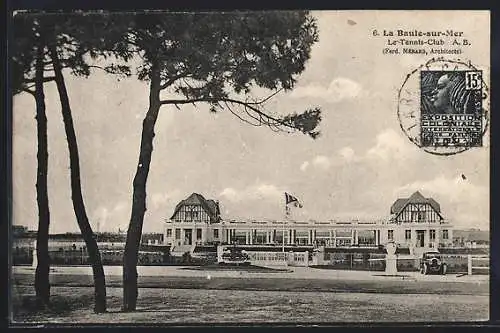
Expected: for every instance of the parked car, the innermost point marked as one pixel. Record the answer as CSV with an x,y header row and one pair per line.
x,y
432,263
235,257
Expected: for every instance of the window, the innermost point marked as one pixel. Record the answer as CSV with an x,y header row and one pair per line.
x,y
414,216
407,234
177,233
169,232
421,216
445,234
432,235
216,233
390,234
198,233
187,214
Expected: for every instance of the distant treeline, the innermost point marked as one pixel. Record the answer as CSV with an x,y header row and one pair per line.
x,y
100,237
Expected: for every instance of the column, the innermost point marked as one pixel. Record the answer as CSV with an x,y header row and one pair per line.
x,y
246,237
251,235
204,235
352,236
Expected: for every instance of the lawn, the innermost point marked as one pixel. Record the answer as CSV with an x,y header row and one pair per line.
x,y
272,284
177,306
208,298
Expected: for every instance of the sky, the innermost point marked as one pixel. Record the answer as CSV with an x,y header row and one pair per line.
x,y
357,168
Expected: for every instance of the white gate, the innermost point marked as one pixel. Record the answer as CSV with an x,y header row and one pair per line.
x,y
477,262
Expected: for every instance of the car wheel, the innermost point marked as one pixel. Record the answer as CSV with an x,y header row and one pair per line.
x,y
443,269
426,269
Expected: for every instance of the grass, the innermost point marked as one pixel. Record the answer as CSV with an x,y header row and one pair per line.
x,y
272,284
184,299
74,305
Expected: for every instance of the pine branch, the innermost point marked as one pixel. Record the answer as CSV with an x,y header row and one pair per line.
x,y
265,118
45,79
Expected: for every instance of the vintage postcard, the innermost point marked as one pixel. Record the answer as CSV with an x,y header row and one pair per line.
x,y
250,167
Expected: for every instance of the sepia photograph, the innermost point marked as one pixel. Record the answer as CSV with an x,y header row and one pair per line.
x,y
250,167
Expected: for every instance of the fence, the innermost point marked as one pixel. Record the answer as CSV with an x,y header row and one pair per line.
x,y
24,256
456,263
279,258
478,264
356,261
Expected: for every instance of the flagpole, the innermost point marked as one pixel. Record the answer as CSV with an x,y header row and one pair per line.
x,y
285,220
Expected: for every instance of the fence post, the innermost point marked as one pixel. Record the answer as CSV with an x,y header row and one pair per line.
x,y
469,264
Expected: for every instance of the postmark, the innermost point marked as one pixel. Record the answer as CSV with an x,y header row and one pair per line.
x,y
443,106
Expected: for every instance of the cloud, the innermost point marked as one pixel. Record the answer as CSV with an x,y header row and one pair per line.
x,y
339,89
347,153
456,190
230,193
458,199
254,192
160,199
391,145
322,161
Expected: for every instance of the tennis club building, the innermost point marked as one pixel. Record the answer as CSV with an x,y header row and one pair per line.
x,y
415,223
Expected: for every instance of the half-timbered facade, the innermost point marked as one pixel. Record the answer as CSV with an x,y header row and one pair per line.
x,y
195,221
415,222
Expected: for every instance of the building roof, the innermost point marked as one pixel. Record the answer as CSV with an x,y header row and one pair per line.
x,y
211,207
400,204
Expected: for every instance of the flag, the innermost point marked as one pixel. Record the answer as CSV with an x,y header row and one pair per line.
x,y
290,199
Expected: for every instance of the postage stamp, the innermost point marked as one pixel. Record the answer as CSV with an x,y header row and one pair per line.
x,y
451,108
443,106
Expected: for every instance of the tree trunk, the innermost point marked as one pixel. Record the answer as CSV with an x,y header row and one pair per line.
x,y
130,291
42,285
76,190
